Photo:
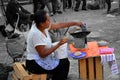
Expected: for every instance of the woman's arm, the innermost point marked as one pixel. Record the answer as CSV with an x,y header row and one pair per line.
x,y
43,52
65,24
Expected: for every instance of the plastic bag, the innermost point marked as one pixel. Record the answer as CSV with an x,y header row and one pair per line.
x,y
62,51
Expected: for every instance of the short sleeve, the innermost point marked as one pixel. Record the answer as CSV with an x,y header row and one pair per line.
x,y
38,40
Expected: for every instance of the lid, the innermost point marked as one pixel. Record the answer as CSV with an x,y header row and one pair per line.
x,y
79,34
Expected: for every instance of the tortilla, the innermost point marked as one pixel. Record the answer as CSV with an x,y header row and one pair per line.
x,y
77,53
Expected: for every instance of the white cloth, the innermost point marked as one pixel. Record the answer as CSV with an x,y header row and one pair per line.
x,y
114,67
107,58
62,51
110,58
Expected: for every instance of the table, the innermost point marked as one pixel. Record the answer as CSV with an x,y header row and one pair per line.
x,y
90,67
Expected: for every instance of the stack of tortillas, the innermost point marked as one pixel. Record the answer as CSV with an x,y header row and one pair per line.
x,y
77,53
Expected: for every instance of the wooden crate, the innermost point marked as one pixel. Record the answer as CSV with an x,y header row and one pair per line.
x,y
21,74
91,68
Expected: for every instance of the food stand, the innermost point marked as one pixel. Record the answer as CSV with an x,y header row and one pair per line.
x,y
90,66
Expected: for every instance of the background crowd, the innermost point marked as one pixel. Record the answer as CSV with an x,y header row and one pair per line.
x,y
54,7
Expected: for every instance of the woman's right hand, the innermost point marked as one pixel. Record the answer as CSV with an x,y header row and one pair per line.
x,y
62,41
79,24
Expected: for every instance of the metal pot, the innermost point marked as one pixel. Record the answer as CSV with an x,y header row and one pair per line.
x,y
80,34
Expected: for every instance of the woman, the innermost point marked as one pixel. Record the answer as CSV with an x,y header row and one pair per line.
x,y
40,51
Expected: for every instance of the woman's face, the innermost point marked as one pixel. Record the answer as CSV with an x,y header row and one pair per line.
x,y
47,22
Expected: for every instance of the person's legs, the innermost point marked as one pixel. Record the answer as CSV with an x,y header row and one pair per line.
x,y
59,6
109,6
69,3
77,5
33,67
61,72
42,4
49,6
38,4
35,5
64,4
54,5
84,5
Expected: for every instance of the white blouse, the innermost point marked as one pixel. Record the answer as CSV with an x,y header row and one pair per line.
x,y
35,38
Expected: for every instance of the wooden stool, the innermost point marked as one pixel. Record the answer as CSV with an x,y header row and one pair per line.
x,y
21,74
91,68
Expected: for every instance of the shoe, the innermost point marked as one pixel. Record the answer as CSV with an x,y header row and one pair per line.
x,y
51,14
110,15
59,12
76,10
68,7
84,9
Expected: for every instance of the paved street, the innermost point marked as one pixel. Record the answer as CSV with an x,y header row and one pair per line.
x,y
101,27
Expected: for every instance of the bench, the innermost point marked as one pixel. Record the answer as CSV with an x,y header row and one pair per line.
x,y
20,73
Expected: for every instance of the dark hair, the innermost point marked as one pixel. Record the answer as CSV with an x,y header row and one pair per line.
x,y
39,17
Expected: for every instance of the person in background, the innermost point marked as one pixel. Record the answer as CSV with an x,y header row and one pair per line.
x,y
40,58
69,2
40,4
57,6
12,10
49,6
64,2
108,6
77,5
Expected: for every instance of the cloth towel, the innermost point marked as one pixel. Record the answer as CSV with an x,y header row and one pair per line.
x,y
107,58
110,58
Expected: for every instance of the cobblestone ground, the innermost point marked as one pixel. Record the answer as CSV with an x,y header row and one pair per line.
x,y
101,27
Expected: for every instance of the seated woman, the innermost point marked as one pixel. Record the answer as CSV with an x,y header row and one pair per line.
x,y
40,51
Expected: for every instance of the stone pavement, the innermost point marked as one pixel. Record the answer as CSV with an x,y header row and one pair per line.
x,y
102,27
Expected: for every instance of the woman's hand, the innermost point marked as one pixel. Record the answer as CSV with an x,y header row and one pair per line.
x,y
79,24
62,41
